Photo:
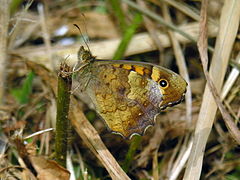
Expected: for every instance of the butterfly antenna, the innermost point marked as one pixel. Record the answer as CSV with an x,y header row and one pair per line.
x,y
85,41
85,25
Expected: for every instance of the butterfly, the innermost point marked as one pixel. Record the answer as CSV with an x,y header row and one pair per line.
x,y
128,95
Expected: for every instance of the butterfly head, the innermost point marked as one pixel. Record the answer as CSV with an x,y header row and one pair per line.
x,y
85,55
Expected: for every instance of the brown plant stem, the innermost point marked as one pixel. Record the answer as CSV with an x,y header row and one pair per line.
x,y
62,123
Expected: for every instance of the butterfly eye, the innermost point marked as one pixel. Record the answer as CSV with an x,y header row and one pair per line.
x,y
163,83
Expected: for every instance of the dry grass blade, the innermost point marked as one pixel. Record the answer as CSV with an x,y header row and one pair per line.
x,y
83,127
4,21
105,49
22,150
180,164
181,65
94,142
38,133
202,45
155,165
231,79
184,72
229,22
17,35
46,35
233,129
70,166
154,144
184,8
151,28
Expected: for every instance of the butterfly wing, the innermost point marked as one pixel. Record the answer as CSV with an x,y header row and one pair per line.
x,y
171,85
126,96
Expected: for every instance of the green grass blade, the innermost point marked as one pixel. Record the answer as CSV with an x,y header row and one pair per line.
x,y
128,34
136,140
22,94
118,12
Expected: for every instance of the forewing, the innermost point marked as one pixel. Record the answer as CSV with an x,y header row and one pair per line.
x,y
125,99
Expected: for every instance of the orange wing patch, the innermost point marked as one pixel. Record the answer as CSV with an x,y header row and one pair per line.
x,y
139,69
127,66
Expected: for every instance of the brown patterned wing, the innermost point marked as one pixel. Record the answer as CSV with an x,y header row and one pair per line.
x,y
128,95
125,99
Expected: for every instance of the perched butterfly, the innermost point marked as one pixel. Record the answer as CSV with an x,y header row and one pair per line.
x,y
128,95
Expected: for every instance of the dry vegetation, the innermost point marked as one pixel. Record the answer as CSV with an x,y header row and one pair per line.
x,y
190,141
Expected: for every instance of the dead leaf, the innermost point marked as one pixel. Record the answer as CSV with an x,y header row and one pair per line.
x,y
49,169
